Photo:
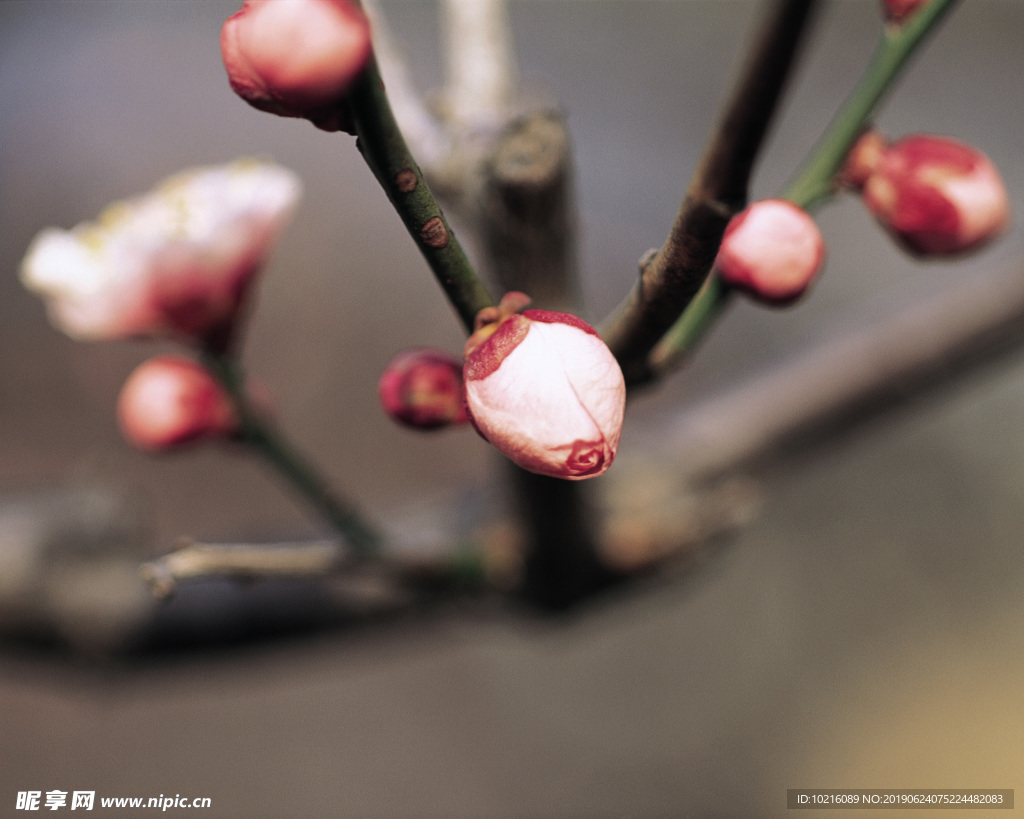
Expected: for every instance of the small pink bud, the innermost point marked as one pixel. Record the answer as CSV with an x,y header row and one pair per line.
x,y
897,11
773,250
546,392
937,196
296,58
170,401
422,388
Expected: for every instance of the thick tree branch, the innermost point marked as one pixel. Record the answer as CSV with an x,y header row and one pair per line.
x,y
482,72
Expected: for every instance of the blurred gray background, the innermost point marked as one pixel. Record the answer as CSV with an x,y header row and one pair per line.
x,y
866,631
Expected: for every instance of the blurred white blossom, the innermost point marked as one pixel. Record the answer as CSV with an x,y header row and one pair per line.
x,y
177,261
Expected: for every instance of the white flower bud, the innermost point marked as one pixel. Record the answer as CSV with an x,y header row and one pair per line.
x,y
547,393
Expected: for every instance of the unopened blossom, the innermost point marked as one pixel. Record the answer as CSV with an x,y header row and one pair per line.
x,y
170,401
897,11
178,261
422,388
937,196
296,58
772,250
546,391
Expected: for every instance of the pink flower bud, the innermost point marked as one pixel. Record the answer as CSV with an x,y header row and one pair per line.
x,y
937,196
546,392
170,401
422,388
897,11
296,58
773,250
178,261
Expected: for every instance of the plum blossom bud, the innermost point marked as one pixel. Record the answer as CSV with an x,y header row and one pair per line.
x,y
177,261
422,388
898,11
773,250
170,401
296,58
937,196
546,392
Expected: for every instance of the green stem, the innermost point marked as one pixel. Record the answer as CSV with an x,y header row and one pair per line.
x,y
696,321
814,183
260,434
383,147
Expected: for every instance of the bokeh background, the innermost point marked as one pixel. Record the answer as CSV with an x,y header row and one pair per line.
x,y
867,630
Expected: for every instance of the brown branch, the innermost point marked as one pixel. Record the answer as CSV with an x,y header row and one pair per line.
x,y
524,212
241,561
403,574
671,277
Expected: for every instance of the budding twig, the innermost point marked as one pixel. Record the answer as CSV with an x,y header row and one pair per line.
x,y
420,127
509,176
815,180
385,151
814,183
670,278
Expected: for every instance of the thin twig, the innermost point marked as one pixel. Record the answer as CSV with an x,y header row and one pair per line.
x,y
815,181
433,142
384,149
257,432
455,569
240,561
670,278
509,177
